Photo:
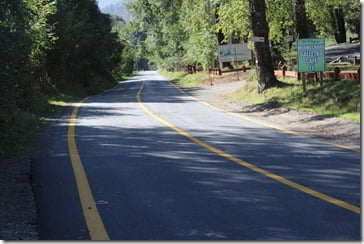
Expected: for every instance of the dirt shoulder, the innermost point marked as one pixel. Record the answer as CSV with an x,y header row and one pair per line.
x,y
326,128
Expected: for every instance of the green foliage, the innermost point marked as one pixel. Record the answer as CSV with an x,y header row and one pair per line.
x,y
321,14
128,55
233,18
199,24
17,134
15,47
86,49
281,19
48,47
177,32
159,35
43,36
186,80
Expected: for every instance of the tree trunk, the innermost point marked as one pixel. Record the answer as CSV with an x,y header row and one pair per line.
x,y
301,22
340,34
265,72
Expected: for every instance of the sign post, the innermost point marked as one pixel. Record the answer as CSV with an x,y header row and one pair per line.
x,y
310,56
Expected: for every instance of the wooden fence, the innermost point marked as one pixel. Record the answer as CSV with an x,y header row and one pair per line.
x,y
336,75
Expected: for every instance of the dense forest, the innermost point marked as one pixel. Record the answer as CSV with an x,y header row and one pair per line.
x,y
49,49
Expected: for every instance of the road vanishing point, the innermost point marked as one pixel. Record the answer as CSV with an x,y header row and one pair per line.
x,y
144,161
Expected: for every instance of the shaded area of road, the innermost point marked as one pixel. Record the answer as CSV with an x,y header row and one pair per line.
x,y
151,183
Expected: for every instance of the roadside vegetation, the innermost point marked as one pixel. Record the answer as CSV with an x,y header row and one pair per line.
x,y
53,52
184,79
177,36
333,98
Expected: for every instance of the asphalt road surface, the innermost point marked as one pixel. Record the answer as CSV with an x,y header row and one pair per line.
x,y
146,162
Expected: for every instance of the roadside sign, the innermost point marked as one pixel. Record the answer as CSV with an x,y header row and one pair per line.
x,y
234,52
311,55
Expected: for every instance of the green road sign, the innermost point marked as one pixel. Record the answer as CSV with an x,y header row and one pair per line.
x,y
311,55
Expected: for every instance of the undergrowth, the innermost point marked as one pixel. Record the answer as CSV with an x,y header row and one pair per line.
x,y
18,131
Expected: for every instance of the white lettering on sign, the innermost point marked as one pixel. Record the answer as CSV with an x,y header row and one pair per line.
x,y
311,60
311,47
310,53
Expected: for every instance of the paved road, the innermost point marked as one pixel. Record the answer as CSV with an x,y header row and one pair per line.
x,y
166,167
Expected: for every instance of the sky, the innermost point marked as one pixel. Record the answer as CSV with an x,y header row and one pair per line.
x,y
103,3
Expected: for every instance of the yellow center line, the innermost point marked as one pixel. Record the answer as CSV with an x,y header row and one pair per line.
x,y
259,122
93,219
252,167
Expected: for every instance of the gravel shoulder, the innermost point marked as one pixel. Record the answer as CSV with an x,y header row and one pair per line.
x,y
18,215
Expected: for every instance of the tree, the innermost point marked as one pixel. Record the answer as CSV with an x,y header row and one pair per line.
x,y
125,34
265,71
15,48
301,22
86,50
337,16
23,41
332,18
352,17
71,40
198,20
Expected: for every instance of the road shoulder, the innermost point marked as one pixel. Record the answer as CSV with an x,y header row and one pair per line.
x,y
18,215
329,129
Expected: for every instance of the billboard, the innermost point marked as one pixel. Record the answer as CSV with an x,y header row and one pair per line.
x,y
311,55
234,52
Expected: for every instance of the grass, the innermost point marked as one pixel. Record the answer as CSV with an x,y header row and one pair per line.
x,y
344,66
18,133
183,79
334,98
